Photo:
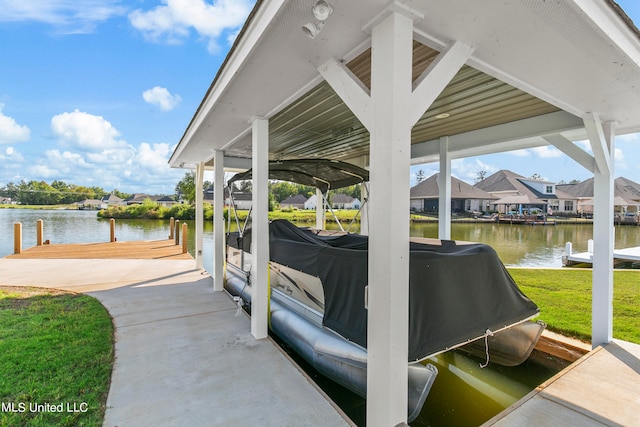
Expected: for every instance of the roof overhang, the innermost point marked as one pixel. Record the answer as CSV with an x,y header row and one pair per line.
x,y
537,69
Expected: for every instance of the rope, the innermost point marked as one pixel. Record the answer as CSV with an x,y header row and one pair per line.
x,y
487,334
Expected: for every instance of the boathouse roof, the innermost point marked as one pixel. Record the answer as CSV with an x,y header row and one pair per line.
x,y
537,68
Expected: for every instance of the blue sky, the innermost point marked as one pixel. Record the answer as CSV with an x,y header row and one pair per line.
x,y
99,92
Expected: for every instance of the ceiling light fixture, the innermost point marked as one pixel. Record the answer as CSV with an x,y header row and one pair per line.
x,y
321,11
442,115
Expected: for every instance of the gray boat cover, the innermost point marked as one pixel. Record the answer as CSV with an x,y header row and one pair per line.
x,y
456,292
320,173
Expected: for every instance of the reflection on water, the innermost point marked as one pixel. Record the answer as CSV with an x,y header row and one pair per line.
x,y
466,395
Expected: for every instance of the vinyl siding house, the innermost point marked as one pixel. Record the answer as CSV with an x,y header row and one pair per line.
x,y
626,195
166,201
113,200
464,197
89,204
342,201
293,202
516,193
311,202
241,201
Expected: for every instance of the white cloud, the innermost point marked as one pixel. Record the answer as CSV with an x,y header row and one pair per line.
x,y
153,157
66,160
161,98
546,152
520,153
94,154
69,16
173,20
467,169
86,131
10,156
10,131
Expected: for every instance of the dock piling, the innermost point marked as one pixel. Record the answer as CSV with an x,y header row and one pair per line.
x,y
172,224
17,238
185,243
112,227
39,232
177,233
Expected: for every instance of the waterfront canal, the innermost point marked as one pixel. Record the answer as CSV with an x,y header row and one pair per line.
x,y
516,245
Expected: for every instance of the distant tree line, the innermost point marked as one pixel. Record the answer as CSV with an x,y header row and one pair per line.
x,y
56,193
278,190
60,193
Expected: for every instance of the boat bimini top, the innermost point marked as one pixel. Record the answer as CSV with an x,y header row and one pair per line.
x,y
320,173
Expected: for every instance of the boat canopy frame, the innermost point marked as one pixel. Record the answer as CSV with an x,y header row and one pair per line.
x,y
322,174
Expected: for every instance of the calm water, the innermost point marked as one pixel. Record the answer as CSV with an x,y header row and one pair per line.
x,y
516,245
463,394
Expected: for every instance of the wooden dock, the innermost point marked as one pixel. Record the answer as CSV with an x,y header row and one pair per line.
x,y
140,249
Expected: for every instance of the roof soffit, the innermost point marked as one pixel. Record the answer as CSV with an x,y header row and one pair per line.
x,y
512,62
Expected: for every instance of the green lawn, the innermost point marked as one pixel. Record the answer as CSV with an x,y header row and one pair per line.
x,y
564,298
56,349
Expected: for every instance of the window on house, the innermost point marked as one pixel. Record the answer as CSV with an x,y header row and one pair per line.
x,y
568,205
549,189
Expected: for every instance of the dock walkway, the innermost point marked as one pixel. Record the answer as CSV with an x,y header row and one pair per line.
x,y
184,356
619,255
601,389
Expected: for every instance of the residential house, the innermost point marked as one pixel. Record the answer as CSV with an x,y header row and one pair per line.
x,y
208,194
293,202
311,202
113,200
241,201
166,201
626,195
517,193
342,201
89,204
464,197
136,199
5,200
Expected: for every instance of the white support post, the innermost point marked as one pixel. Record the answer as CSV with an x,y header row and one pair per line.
x,y
444,198
387,331
602,143
389,114
260,228
320,219
218,221
199,178
364,214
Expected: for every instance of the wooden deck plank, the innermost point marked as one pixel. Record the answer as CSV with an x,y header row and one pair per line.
x,y
140,249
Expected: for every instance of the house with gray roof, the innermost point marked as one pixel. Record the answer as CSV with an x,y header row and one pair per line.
x,y
464,197
517,193
626,195
293,202
342,201
113,200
